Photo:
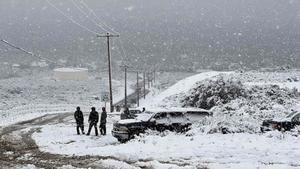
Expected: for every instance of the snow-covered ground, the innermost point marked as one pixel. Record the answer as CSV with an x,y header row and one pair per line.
x,y
192,150
271,150
25,98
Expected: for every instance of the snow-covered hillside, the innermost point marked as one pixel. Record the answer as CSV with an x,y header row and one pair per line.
x,y
239,101
181,87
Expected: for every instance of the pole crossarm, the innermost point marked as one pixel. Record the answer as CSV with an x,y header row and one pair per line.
x,y
108,35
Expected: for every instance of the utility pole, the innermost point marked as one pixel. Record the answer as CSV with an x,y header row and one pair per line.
x,y
151,78
144,78
138,89
125,84
108,36
154,76
148,80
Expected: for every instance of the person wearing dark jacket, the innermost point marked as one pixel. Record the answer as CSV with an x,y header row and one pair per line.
x,y
103,121
78,115
93,120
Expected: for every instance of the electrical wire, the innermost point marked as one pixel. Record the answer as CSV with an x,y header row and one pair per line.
x,y
122,52
96,16
70,18
87,16
29,53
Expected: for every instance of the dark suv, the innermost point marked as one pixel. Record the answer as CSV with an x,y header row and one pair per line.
x,y
284,124
178,120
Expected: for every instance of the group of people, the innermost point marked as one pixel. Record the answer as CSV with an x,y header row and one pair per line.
x,y
93,120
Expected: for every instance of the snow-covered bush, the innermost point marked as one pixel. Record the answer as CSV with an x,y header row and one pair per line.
x,y
239,108
214,92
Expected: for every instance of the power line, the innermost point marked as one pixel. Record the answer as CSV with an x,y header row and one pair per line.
x,y
70,18
87,16
122,52
99,20
29,53
122,48
125,57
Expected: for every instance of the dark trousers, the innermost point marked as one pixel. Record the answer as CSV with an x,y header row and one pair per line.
x,y
90,128
103,129
80,126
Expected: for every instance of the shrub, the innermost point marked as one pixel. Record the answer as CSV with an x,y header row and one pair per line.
x,y
238,108
214,92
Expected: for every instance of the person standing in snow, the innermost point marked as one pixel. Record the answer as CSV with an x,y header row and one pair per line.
x,y
103,121
78,115
93,120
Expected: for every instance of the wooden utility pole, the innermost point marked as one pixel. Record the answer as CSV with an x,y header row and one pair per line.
x,y
137,89
148,75
108,36
144,78
125,86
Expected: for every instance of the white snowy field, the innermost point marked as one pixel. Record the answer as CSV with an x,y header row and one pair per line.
x,y
192,150
270,150
28,97
31,96
155,150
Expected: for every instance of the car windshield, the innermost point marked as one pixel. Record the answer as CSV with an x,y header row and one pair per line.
x,y
291,115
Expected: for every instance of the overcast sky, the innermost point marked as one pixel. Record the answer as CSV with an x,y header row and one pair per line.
x,y
170,33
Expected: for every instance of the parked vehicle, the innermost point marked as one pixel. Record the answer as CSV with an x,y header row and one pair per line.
x,y
176,119
285,124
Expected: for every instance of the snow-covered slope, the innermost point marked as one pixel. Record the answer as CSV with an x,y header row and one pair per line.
x,y
182,86
241,113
